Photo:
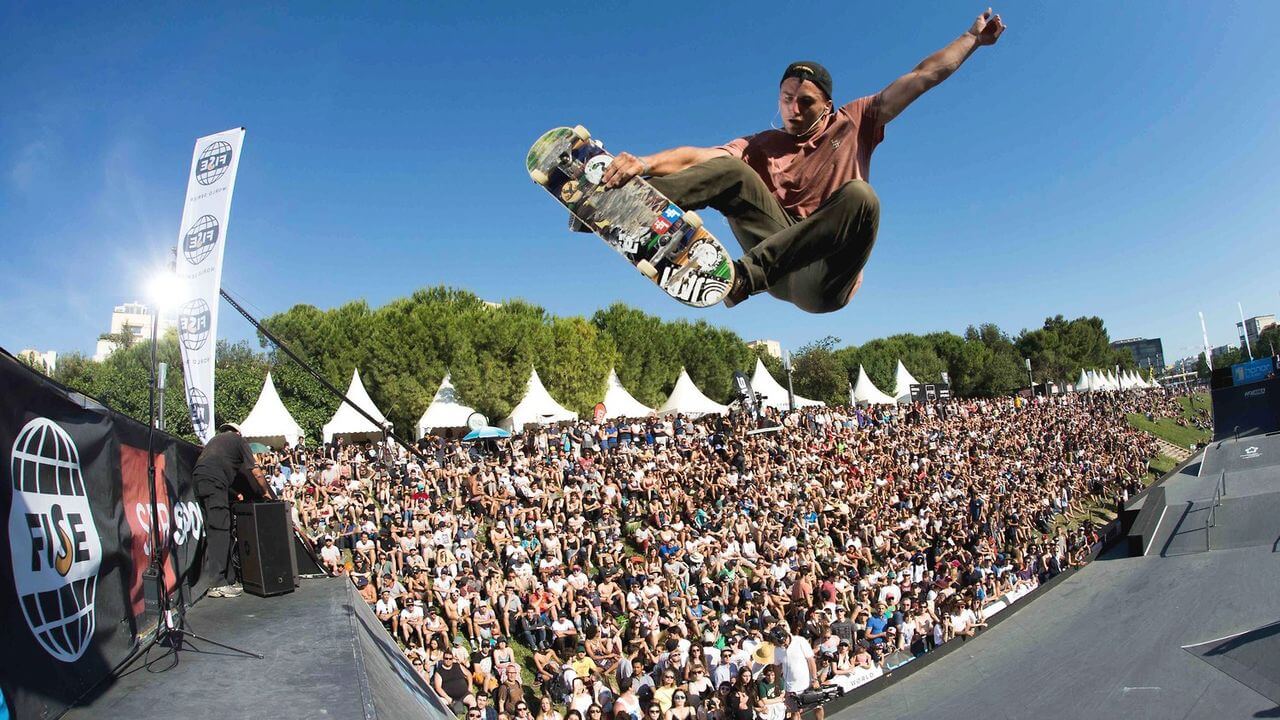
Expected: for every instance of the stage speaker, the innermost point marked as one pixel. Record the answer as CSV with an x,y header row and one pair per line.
x,y
264,540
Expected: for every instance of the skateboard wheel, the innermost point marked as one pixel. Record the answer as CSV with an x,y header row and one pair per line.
x,y
539,177
648,269
692,220
581,133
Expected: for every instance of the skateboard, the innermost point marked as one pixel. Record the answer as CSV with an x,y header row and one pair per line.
x,y
666,244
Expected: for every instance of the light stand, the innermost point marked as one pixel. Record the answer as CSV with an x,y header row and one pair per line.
x,y
171,630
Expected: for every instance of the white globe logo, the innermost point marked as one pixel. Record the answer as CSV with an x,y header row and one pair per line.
x,y
213,163
54,544
198,404
193,324
200,239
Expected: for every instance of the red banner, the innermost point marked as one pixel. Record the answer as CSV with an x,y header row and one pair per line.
x,y
137,511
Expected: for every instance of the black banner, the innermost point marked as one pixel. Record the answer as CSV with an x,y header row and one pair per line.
x,y
79,539
929,392
1243,410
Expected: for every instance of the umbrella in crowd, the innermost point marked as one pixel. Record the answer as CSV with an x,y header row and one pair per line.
x,y
487,433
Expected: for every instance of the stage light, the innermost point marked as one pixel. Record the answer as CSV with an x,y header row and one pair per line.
x,y
164,290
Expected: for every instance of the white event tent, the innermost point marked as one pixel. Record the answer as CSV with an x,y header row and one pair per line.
x,y
1100,382
537,407
269,422
350,424
445,411
775,396
686,398
619,403
1082,384
864,391
902,383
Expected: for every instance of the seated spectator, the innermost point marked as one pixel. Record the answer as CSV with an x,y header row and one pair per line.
x,y
331,556
453,684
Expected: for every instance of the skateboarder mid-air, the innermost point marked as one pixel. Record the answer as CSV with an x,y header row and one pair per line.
x,y
798,198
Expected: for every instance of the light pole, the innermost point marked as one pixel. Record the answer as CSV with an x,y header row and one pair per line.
x,y
791,395
162,290
1031,383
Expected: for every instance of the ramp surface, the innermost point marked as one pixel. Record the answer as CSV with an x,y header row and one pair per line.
x,y
1253,658
1243,455
1106,643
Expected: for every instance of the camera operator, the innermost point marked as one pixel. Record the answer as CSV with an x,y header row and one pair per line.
x,y
799,670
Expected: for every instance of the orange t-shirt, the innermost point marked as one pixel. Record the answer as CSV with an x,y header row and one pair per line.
x,y
802,173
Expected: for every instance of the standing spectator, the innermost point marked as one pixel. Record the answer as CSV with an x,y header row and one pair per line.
x,y
799,671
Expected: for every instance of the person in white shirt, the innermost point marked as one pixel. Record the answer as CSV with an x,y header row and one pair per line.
x,y
331,556
799,671
411,620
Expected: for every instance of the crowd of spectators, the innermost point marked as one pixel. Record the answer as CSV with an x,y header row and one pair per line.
x,y
714,568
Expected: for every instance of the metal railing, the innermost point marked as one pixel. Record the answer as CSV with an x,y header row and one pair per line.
x,y
1211,519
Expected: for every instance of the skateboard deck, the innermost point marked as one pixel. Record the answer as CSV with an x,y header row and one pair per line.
x,y
666,244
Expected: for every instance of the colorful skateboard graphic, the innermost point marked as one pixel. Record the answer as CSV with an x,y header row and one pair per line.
x,y
666,244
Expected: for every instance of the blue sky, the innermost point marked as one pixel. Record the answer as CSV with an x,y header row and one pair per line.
x,y
1111,159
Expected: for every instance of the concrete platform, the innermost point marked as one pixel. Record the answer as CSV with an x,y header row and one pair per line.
x,y
327,656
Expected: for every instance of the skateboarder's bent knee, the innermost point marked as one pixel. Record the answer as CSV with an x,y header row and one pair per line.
x,y
857,194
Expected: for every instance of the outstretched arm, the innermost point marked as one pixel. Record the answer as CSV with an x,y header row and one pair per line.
x,y
938,67
626,166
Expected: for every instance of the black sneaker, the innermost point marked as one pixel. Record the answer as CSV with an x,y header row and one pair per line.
x,y
741,288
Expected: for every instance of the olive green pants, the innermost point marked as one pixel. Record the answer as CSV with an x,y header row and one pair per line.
x,y
811,262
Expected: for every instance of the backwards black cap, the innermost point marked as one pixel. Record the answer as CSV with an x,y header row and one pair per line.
x,y
811,71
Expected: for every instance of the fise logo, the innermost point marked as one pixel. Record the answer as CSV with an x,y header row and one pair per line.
x,y
213,163
193,324
200,239
198,404
54,544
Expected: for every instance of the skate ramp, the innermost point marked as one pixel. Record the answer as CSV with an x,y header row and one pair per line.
x,y
1252,658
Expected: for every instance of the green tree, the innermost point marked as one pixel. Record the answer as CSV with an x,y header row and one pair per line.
x,y
818,374
1232,356
239,374
1268,342
989,364
647,360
